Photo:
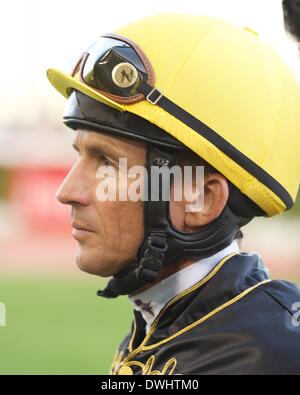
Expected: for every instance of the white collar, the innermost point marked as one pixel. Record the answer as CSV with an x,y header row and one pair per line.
x,y
151,301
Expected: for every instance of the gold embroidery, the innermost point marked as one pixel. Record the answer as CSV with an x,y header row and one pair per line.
x,y
124,368
206,317
171,302
143,347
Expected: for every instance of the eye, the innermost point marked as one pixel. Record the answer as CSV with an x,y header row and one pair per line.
x,y
105,161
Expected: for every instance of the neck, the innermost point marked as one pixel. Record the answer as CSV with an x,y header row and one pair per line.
x,y
166,272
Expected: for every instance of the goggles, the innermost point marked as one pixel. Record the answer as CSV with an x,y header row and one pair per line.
x,y
116,68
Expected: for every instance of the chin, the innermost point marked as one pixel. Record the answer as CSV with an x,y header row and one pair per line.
x,y
92,264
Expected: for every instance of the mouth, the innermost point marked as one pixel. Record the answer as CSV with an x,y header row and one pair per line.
x,y
80,232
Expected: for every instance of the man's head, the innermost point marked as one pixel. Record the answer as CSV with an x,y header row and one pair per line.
x,y
179,82
114,230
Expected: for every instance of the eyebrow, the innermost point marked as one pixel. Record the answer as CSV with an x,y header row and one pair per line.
x,y
95,149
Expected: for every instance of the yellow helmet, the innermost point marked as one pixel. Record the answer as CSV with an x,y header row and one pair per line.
x,y
216,88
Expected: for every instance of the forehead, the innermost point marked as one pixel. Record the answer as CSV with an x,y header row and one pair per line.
x,y
85,139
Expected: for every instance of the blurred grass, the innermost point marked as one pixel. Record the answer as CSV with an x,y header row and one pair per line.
x,y
59,326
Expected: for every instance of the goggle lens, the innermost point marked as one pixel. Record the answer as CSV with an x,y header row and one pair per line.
x,y
112,66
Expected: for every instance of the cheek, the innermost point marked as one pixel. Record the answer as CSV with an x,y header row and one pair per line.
x,y
177,212
120,225
177,215
119,218
132,222
107,220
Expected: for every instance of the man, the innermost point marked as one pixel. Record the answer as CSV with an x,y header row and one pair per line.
x,y
186,90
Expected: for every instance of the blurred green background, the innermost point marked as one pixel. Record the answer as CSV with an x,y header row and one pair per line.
x,y
59,326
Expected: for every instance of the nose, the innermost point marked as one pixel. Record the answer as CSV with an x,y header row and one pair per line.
x,y
73,190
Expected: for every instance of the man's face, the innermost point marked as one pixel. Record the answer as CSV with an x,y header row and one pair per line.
x,y
108,232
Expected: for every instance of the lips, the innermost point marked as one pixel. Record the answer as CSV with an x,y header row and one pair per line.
x,y
81,227
80,232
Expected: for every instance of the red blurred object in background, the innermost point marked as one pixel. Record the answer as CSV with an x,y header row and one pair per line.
x,y
32,193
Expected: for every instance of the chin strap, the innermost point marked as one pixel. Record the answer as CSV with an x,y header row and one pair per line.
x,y
163,244
137,275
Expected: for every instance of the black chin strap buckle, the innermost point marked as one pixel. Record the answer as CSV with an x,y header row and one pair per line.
x,y
152,261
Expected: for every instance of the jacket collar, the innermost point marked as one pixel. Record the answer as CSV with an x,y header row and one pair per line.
x,y
232,278
150,302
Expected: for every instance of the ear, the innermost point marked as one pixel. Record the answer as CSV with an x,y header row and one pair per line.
x,y
216,193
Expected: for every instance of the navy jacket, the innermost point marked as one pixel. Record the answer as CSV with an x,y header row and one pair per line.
x,y
234,321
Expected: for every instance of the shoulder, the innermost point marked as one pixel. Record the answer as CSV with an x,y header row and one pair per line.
x,y
258,333
284,294
270,317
